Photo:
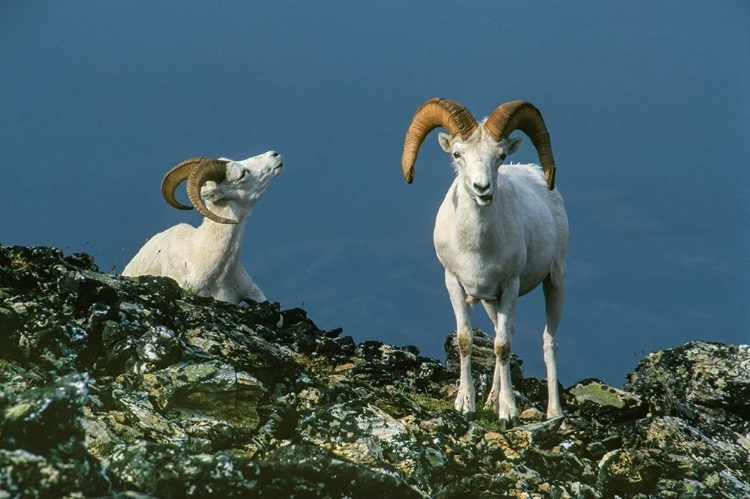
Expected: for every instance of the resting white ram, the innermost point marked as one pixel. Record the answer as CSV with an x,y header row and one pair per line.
x,y
205,260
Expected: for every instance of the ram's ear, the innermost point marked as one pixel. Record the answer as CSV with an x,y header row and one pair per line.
x,y
211,191
445,142
512,144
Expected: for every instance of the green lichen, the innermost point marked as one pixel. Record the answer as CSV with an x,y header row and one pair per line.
x,y
600,394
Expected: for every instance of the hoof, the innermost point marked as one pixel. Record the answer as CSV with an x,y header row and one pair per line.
x,y
465,401
465,409
507,424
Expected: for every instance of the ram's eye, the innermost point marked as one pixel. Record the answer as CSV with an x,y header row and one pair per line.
x,y
456,155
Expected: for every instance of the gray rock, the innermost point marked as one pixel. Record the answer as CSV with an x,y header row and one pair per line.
x,y
42,443
130,388
699,378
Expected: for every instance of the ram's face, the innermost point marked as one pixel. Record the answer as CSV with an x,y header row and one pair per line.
x,y
477,160
248,179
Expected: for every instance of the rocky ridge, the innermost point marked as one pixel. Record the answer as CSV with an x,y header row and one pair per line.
x,y
112,387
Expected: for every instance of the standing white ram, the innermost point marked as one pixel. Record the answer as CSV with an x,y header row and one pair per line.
x,y
206,259
500,232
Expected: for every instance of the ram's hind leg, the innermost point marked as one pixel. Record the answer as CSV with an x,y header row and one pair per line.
x,y
554,296
466,393
492,398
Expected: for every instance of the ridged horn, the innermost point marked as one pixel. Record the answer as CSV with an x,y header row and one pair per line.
x,y
174,177
208,169
437,112
522,115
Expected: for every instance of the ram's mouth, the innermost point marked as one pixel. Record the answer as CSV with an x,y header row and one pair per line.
x,y
485,200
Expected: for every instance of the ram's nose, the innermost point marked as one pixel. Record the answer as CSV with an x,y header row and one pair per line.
x,y
279,160
482,193
481,188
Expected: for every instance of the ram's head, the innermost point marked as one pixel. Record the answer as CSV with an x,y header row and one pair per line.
x,y
221,180
478,149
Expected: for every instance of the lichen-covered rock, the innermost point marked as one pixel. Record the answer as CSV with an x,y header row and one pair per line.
x,y
310,471
42,444
173,471
594,398
131,388
699,397
699,378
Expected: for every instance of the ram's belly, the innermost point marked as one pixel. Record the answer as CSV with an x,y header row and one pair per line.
x,y
531,278
484,279
480,279
476,290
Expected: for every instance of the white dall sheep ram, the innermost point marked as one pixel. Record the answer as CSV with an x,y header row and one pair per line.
x,y
206,260
500,232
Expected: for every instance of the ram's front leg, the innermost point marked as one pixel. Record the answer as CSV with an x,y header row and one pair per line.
x,y
465,397
255,294
247,289
501,396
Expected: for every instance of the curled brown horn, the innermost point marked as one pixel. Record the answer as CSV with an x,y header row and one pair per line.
x,y
174,177
432,114
208,169
522,115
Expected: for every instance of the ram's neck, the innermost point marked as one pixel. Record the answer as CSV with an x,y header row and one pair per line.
x,y
223,241
477,227
225,238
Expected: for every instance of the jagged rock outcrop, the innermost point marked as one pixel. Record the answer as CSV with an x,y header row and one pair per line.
x,y
112,387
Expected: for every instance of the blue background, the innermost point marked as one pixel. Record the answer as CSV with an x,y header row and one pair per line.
x,y
647,104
